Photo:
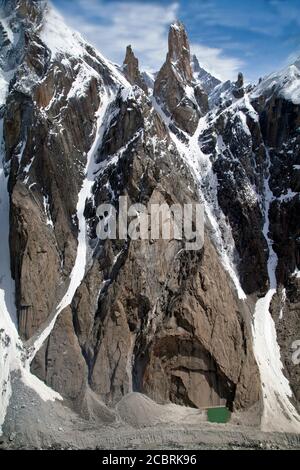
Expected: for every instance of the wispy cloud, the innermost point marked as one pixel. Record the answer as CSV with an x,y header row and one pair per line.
x,y
111,26
214,60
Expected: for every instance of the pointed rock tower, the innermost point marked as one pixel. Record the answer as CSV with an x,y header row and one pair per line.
x,y
238,91
175,88
131,70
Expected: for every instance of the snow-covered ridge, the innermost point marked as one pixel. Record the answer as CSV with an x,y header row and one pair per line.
x,y
63,41
285,83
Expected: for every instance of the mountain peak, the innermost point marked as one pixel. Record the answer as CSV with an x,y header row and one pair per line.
x,y
131,70
179,50
297,63
177,25
207,81
240,80
195,64
175,88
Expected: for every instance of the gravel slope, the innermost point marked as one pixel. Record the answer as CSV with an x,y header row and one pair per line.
x,y
34,424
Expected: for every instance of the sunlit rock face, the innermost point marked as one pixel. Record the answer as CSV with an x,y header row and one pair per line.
x,y
176,91
145,316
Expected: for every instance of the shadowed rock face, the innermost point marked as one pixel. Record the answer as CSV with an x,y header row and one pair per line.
x,y
148,316
280,124
175,89
131,70
249,140
240,181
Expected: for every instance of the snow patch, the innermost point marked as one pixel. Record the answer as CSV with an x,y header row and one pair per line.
x,y
285,83
288,196
63,41
278,414
58,37
283,301
189,91
82,81
46,205
296,273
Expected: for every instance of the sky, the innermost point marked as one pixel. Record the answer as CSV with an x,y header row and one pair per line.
x,y
255,37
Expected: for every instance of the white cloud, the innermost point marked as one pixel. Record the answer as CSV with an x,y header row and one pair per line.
x,y
213,60
111,26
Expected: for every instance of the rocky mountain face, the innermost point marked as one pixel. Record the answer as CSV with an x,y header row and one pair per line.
x,y
180,96
99,319
131,70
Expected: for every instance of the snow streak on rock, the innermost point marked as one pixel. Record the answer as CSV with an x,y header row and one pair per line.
x,y
79,268
201,167
12,353
279,414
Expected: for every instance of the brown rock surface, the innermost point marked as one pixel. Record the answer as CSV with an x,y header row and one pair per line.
x,y
170,88
131,70
148,316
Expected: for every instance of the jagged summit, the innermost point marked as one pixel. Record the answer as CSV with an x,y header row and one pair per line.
x,y
208,81
131,70
285,83
179,50
175,89
238,88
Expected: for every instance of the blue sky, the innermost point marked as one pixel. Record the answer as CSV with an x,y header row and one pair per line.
x,y
253,36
